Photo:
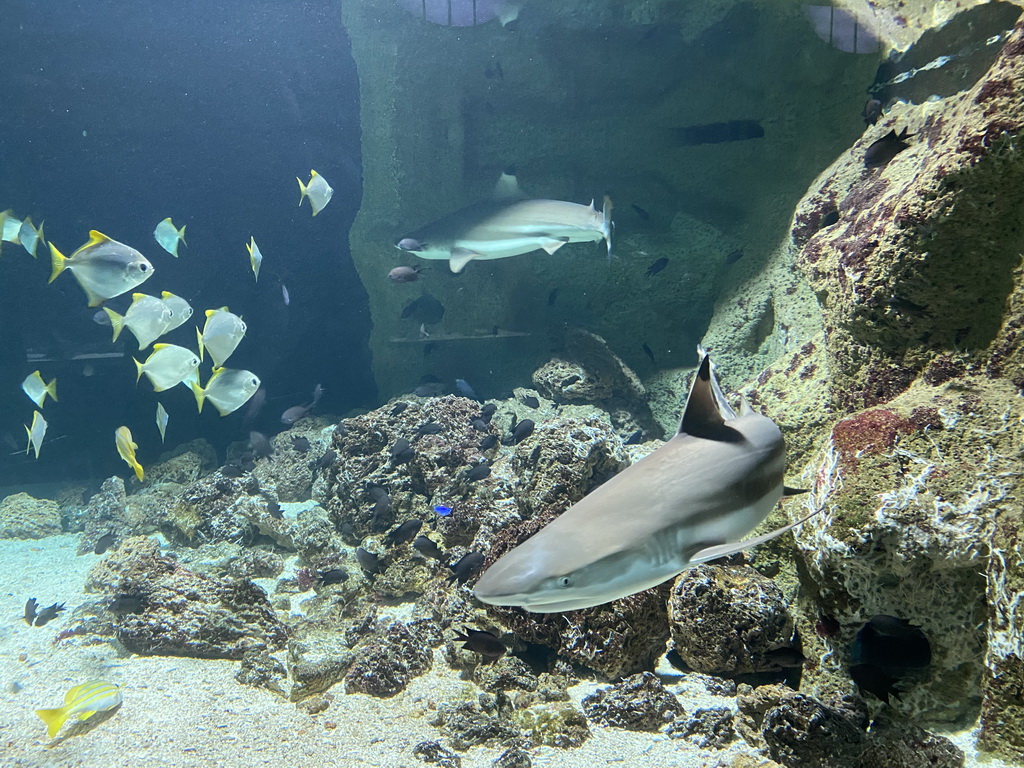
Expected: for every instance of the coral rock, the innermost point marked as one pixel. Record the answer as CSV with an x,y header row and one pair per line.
x,y
24,517
639,703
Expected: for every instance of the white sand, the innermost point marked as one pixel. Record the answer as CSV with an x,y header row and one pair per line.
x,y
192,712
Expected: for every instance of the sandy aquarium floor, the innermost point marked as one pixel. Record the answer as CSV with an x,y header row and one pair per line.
x,y
192,712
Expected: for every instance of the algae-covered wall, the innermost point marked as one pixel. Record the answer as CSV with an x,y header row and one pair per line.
x,y
586,99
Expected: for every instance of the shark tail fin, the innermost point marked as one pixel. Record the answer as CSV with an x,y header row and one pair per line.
x,y
607,225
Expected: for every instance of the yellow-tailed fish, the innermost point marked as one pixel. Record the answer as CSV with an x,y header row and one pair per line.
x,y
168,366
36,433
126,448
221,335
10,226
179,307
29,236
255,257
148,318
168,236
317,190
103,267
228,389
82,701
161,420
37,389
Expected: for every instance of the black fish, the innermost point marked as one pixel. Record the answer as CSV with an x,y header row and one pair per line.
x,y
656,266
875,681
30,610
785,657
232,470
635,439
428,428
647,351
486,644
368,561
872,111
106,541
487,412
479,472
428,390
124,604
48,614
831,217
262,448
427,547
717,133
273,508
300,444
488,442
907,307
522,431
530,401
734,256
553,297
404,533
886,148
640,212
324,461
332,576
426,309
467,567
479,425
378,492
399,407
402,452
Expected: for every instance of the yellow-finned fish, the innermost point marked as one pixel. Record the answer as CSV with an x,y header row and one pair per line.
x,y
126,447
83,701
37,389
103,267
221,335
30,236
36,433
228,389
317,190
169,236
168,366
148,318
255,257
180,309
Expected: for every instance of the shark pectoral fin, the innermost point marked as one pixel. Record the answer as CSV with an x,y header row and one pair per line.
x,y
552,244
724,550
460,257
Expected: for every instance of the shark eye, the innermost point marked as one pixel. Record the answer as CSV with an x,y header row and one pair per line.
x,y
565,581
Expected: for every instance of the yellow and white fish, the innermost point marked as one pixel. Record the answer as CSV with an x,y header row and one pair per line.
x,y
228,389
126,447
168,366
161,421
168,236
36,433
255,257
37,389
103,267
221,335
181,309
148,318
82,701
317,190
29,236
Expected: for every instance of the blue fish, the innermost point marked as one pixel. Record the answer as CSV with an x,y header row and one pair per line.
x,y
442,510
465,390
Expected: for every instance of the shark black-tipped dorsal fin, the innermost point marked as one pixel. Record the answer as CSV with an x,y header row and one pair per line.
x,y
702,416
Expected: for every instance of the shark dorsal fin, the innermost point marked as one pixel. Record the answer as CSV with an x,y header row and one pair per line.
x,y
702,416
507,187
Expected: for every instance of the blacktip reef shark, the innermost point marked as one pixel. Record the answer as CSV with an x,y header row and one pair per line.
x,y
690,501
509,225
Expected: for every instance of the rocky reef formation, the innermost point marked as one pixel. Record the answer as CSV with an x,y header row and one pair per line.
x,y
25,517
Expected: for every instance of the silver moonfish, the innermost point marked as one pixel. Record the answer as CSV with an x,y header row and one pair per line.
x,y
37,389
168,236
693,500
10,226
161,420
168,366
36,433
148,318
82,701
180,309
508,226
220,335
317,190
126,448
103,267
30,236
228,389
255,257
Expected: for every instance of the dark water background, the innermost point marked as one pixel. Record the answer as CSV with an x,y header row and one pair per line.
x,y
205,112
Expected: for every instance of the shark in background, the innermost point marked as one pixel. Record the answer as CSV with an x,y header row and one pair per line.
x,y
509,225
690,501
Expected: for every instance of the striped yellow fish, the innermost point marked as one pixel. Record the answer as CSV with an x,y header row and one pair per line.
x,y
82,701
